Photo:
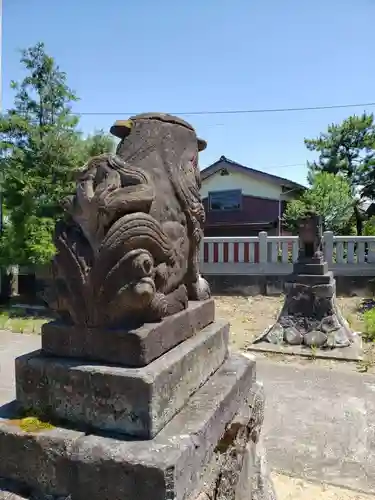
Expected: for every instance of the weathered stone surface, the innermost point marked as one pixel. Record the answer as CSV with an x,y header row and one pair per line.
x,y
338,338
330,323
276,334
310,317
254,482
292,336
310,238
138,402
11,490
324,290
14,490
238,470
262,486
132,348
168,466
311,279
40,460
9,495
317,269
129,245
315,338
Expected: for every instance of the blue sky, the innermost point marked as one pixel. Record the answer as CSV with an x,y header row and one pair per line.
x,y
125,56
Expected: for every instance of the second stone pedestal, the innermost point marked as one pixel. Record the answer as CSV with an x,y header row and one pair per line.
x,y
310,320
138,402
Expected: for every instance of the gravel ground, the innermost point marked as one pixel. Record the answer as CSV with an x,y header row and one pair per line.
x,y
249,316
288,488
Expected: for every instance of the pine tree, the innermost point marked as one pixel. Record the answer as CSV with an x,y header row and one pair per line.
x,y
41,149
347,149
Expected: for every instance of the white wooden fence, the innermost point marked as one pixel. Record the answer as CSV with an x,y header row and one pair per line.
x,y
263,254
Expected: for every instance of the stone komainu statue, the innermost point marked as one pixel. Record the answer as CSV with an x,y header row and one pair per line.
x,y
128,248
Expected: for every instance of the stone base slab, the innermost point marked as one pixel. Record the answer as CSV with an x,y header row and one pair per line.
x,y
311,279
354,352
131,348
43,455
64,462
134,401
316,269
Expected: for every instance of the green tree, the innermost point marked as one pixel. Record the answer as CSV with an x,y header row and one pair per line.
x,y
98,143
330,197
41,149
294,211
347,149
369,227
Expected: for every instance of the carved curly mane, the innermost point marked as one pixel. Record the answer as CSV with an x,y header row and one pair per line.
x,y
128,250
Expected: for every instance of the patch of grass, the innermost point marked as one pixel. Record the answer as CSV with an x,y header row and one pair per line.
x,y
19,325
314,352
17,320
369,323
4,318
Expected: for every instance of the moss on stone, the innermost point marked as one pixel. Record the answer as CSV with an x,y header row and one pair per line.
x,y
32,424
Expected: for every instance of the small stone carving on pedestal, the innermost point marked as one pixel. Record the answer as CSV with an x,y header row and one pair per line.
x,y
310,316
135,394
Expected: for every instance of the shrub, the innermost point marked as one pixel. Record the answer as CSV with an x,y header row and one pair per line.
x,y
369,320
369,227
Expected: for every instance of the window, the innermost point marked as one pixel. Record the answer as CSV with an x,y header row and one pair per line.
x,y
225,200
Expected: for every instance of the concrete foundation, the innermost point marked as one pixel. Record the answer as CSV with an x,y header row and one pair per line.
x,y
60,461
184,426
138,402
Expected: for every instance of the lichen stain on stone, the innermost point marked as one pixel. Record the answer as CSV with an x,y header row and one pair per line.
x,y
31,424
229,438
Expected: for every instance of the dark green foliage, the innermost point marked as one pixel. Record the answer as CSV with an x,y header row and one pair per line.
x,y
347,149
369,320
41,150
369,227
329,196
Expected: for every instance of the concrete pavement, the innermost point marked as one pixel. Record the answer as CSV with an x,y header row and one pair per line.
x,y
11,346
320,423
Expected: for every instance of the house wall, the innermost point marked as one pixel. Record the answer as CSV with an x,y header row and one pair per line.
x,y
250,185
254,209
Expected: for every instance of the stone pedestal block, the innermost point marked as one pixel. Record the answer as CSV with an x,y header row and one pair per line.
x,y
311,279
133,348
310,269
171,465
138,402
310,317
37,459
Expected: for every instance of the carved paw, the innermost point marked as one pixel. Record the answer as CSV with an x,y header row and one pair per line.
x,y
200,290
165,305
